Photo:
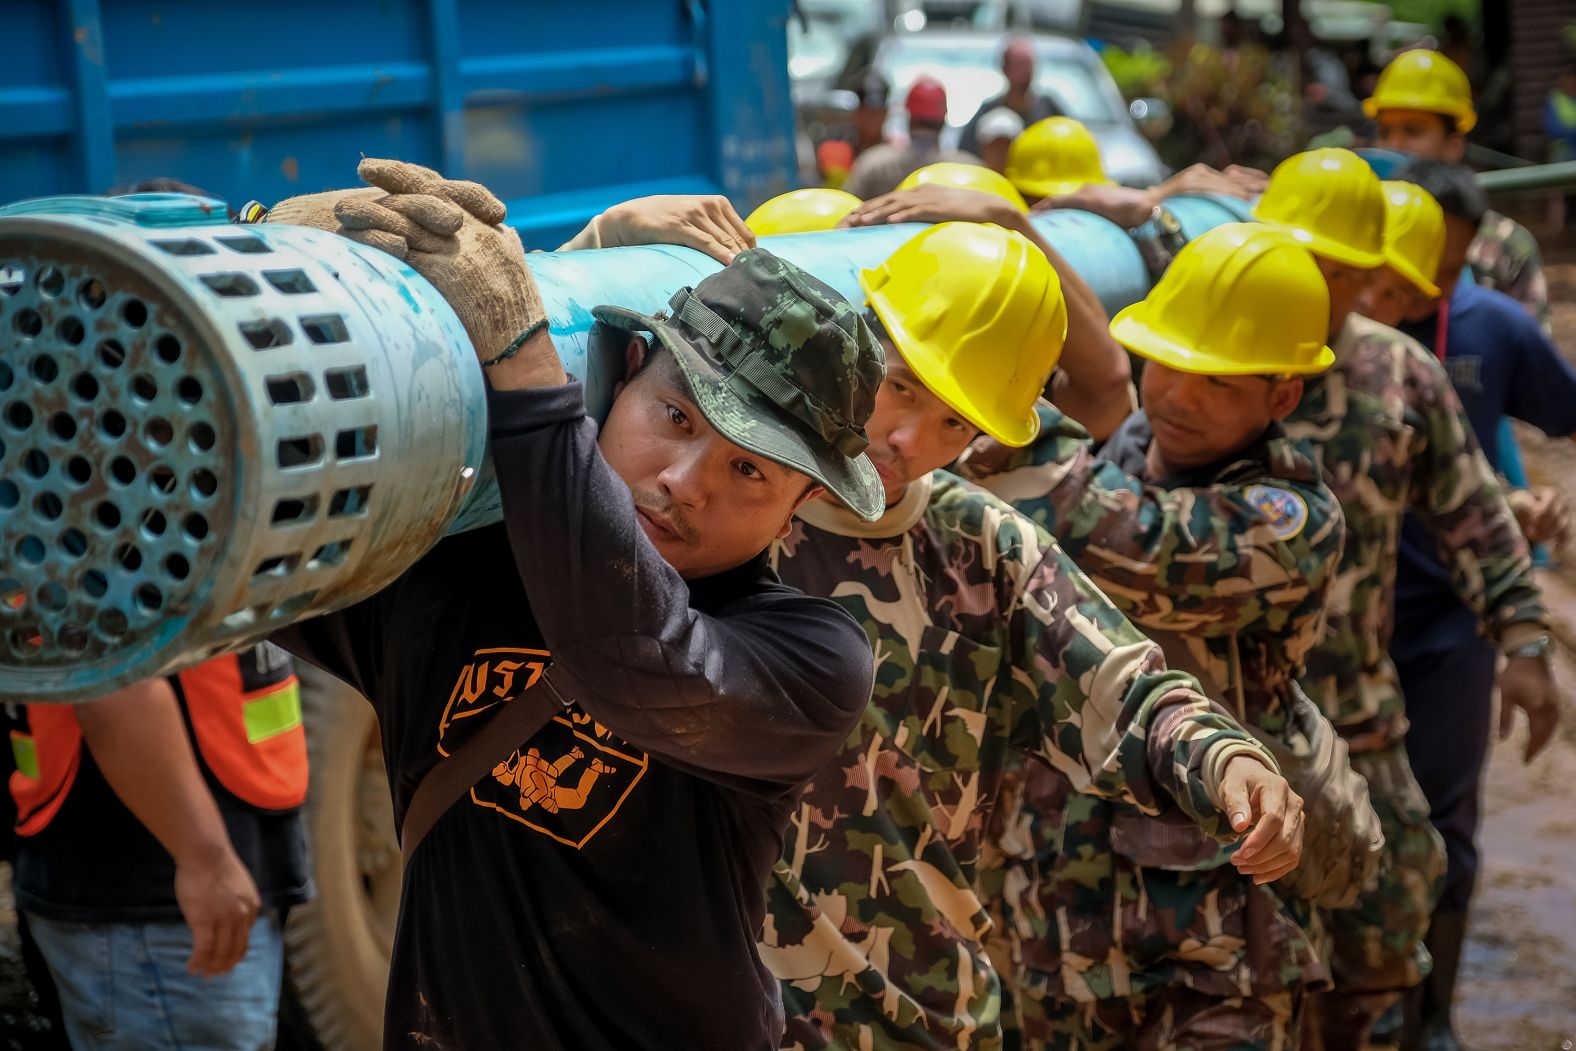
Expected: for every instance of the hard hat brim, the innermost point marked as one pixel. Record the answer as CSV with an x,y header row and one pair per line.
x,y
927,365
1413,275
1132,329
1465,120
774,435
1043,188
1324,246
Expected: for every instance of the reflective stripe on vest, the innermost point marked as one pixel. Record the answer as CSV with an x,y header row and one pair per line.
x,y
247,720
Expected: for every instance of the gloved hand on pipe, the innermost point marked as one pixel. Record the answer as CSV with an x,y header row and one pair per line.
x,y
478,266
316,209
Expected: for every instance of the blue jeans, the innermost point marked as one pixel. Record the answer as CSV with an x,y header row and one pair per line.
x,y
125,986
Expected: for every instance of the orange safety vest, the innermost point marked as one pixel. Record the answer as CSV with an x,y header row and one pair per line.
x,y
245,713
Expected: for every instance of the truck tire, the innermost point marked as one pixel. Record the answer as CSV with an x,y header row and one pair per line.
x,y
337,945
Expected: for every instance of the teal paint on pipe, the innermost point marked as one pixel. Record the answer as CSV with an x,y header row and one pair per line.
x,y
645,278
344,412
1198,215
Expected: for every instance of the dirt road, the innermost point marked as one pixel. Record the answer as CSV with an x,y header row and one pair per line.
x,y
1519,975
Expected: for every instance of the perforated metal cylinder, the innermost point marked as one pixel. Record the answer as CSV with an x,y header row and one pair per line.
x,y
207,432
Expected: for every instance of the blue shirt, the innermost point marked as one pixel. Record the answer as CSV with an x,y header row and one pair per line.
x,y
1501,364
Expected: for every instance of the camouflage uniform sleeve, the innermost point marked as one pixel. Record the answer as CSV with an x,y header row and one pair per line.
x,y
1041,480
1461,501
1094,699
1196,559
1205,560
1530,288
1505,256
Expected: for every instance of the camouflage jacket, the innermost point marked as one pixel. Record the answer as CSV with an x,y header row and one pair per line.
x,y
1227,568
1232,566
1392,436
990,646
1505,256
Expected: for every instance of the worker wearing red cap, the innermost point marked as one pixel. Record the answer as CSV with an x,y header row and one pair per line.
x,y
879,169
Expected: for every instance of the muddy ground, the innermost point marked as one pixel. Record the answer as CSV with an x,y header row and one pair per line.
x,y
1518,984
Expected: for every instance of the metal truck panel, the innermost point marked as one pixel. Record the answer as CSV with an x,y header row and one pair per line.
x,y
561,108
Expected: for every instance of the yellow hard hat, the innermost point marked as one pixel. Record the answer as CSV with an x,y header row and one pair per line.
x,y
1414,234
966,177
1428,81
977,312
1241,300
1054,156
800,211
1330,200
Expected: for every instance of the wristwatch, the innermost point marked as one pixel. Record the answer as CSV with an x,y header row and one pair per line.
x,y
1161,223
1541,647
1159,239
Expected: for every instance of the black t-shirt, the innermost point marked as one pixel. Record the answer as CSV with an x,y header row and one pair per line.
x,y
605,886
96,863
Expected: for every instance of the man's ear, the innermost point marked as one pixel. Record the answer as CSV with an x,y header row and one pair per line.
x,y
634,356
809,494
1284,398
1455,147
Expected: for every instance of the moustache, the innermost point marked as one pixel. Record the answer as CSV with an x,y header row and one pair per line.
x,y
666,514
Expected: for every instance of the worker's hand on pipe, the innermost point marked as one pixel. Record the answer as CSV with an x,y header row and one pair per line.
x,y
401,223
1123,205
480,269
1199,179
929,203
402,178
1257,798
1527,683
1251,181
317,209
706,223
1543,514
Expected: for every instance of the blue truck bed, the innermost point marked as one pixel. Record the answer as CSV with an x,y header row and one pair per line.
x,y
561,107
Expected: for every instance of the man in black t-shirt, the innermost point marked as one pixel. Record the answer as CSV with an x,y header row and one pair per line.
x,y
603,887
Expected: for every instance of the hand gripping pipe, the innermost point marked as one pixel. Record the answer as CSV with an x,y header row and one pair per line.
x,y
210,431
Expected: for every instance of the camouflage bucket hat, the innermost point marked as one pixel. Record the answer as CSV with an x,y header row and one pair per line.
x,y
780,364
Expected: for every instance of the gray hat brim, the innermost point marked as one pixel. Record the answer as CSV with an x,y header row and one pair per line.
x,y
773,434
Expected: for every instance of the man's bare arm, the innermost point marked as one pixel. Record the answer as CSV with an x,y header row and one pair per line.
x,y
138,739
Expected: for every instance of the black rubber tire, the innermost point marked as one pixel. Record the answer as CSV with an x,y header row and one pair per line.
x,y
337,946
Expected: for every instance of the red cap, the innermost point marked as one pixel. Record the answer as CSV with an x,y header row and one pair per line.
x,y
835,155
927,101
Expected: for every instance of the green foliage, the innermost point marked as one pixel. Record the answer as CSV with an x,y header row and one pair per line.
x,y
1138,73
1432,12
1231,108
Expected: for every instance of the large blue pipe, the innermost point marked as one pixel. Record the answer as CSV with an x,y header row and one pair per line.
x,y
207,432
572,283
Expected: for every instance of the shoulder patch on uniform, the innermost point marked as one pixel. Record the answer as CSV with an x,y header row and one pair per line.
x,y
1285,511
